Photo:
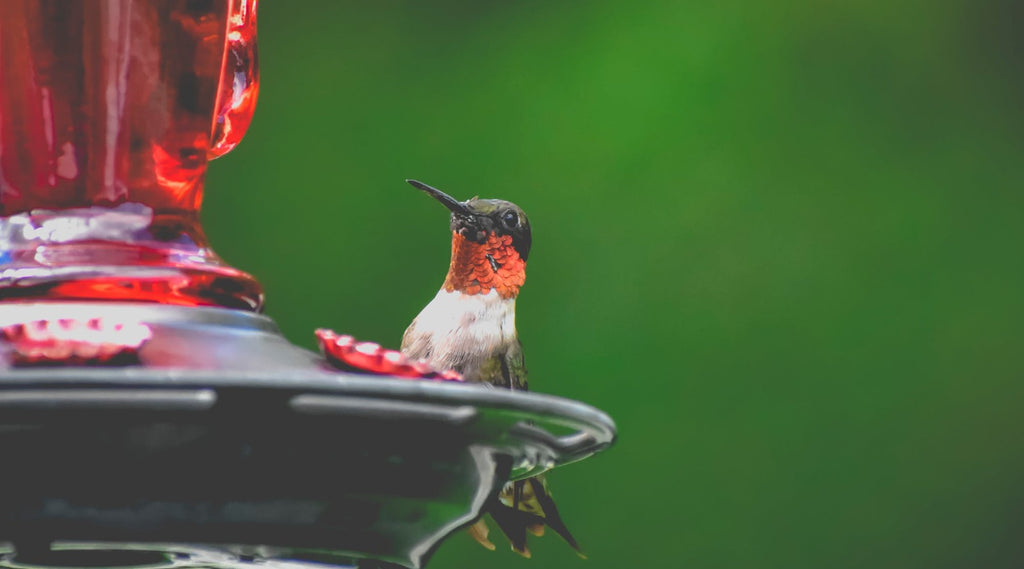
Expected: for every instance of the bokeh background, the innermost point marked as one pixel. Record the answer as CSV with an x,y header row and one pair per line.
x,y
779,242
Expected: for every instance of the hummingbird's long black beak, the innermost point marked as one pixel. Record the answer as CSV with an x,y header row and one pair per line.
x,y
447,201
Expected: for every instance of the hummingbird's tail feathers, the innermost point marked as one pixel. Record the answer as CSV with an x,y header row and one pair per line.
x,y
513,524
526,506
551,516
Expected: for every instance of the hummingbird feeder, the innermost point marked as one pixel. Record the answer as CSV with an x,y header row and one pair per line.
x,y
149,414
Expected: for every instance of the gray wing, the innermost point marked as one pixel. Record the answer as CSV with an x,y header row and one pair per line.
x,y
514,368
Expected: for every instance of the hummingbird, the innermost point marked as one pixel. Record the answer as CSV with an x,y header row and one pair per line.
x,y
470,327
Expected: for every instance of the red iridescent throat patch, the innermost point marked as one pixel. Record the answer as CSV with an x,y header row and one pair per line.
x,y
477,268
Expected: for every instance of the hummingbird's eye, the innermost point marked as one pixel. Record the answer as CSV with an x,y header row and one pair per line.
x,y
510,218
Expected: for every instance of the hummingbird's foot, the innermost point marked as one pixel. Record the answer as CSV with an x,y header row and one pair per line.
x,y
479,531
524,551
344,352
69,341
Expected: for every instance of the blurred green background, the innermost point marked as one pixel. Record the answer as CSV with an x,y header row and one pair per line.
x,y
779,242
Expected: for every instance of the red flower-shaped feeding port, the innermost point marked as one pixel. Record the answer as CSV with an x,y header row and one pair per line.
x,y
344,352
69,341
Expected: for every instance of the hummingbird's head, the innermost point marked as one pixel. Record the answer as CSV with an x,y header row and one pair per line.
x,y
490,243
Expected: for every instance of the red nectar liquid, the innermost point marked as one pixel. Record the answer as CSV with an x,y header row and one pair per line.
x,y
109,113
